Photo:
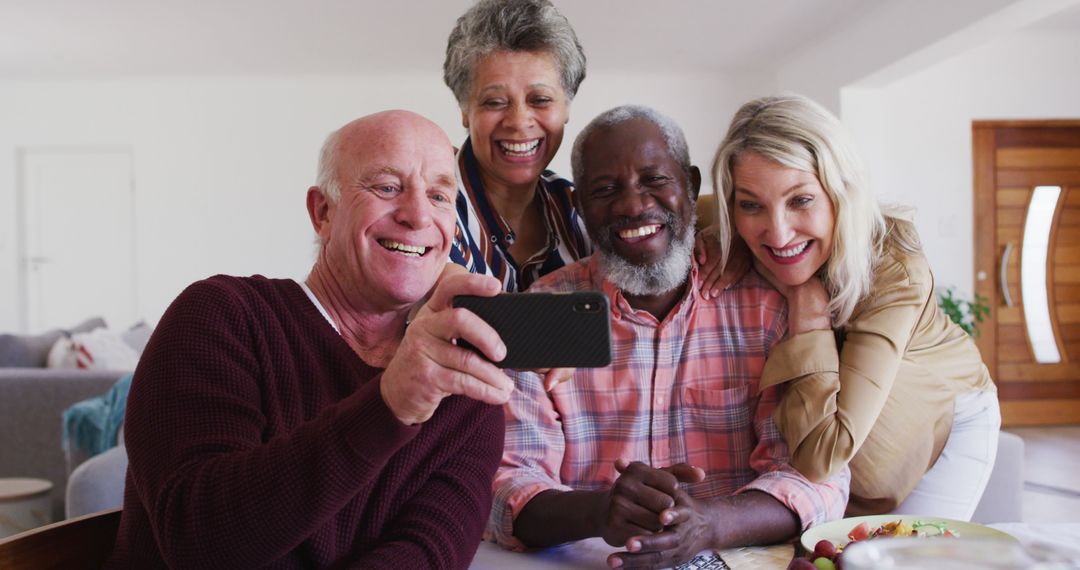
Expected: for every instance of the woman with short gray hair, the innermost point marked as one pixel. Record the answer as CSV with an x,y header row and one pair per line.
x,y
514,66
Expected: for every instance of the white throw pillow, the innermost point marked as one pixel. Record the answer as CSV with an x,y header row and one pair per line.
x,y
99,349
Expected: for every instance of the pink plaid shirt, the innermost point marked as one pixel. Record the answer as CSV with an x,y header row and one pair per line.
x,y
681,390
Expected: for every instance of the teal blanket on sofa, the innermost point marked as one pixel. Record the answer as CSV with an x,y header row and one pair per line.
x,y
92,425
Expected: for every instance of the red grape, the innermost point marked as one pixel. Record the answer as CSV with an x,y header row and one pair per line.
x,y
824,549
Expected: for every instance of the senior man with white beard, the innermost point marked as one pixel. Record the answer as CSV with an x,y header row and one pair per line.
x,y
671,449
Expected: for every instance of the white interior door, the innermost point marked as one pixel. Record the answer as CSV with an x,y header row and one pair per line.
x,y
78,247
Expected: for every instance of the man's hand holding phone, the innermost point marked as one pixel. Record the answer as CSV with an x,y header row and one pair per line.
x,y
429,365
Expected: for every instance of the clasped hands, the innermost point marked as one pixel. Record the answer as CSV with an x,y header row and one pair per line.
x,y
658,522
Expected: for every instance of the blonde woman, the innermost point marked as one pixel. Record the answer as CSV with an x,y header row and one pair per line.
x,y
876,375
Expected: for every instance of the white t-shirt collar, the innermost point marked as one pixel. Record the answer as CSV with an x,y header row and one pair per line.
x,y
318,305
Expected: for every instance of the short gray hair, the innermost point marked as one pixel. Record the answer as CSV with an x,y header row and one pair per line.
x,y
326,177
511,25
673,136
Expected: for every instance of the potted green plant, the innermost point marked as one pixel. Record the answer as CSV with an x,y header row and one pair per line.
x,y
968,314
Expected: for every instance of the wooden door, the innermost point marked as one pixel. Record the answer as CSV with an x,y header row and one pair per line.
x,y
1027,260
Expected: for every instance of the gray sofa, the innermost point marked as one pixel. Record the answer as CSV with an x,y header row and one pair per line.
x,y
32,402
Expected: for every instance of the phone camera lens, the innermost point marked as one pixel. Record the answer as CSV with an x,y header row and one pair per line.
x,y
586,307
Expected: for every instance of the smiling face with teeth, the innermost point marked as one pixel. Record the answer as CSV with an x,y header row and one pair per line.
x,y
386,238
515,115
637,200
784,216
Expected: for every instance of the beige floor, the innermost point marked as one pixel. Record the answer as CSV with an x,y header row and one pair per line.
x,y
1052,473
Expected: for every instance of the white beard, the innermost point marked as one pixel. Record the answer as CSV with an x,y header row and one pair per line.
x,y
653,279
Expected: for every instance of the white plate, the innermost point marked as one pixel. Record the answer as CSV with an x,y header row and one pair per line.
x,y
837,531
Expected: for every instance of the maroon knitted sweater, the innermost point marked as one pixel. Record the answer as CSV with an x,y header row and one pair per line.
x,y
258,438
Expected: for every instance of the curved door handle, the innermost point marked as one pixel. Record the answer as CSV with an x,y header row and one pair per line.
x,y
1004,275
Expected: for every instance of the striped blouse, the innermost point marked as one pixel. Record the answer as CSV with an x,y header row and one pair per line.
x,y
482,239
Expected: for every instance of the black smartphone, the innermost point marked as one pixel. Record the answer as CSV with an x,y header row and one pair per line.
x,y
547,330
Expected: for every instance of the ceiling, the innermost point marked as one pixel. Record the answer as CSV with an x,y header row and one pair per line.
x,y
1067,20
44,39
61,38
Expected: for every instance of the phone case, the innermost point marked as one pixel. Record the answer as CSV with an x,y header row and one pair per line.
x,y
547,330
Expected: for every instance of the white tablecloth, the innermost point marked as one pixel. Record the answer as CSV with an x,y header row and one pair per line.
x,y
591,554
1062,540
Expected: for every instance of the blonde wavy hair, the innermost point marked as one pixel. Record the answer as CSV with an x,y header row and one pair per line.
x,y
796,132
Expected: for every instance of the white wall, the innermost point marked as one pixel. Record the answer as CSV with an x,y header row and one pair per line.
x,y
871,43
915,133
222,164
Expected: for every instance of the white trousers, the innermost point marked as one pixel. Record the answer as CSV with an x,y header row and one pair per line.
x,y
953,486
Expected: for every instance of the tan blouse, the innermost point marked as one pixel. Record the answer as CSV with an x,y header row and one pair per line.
x,y
884,403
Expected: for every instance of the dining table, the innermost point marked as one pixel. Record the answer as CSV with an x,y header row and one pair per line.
x,y
1057,540
1063,539
592,553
